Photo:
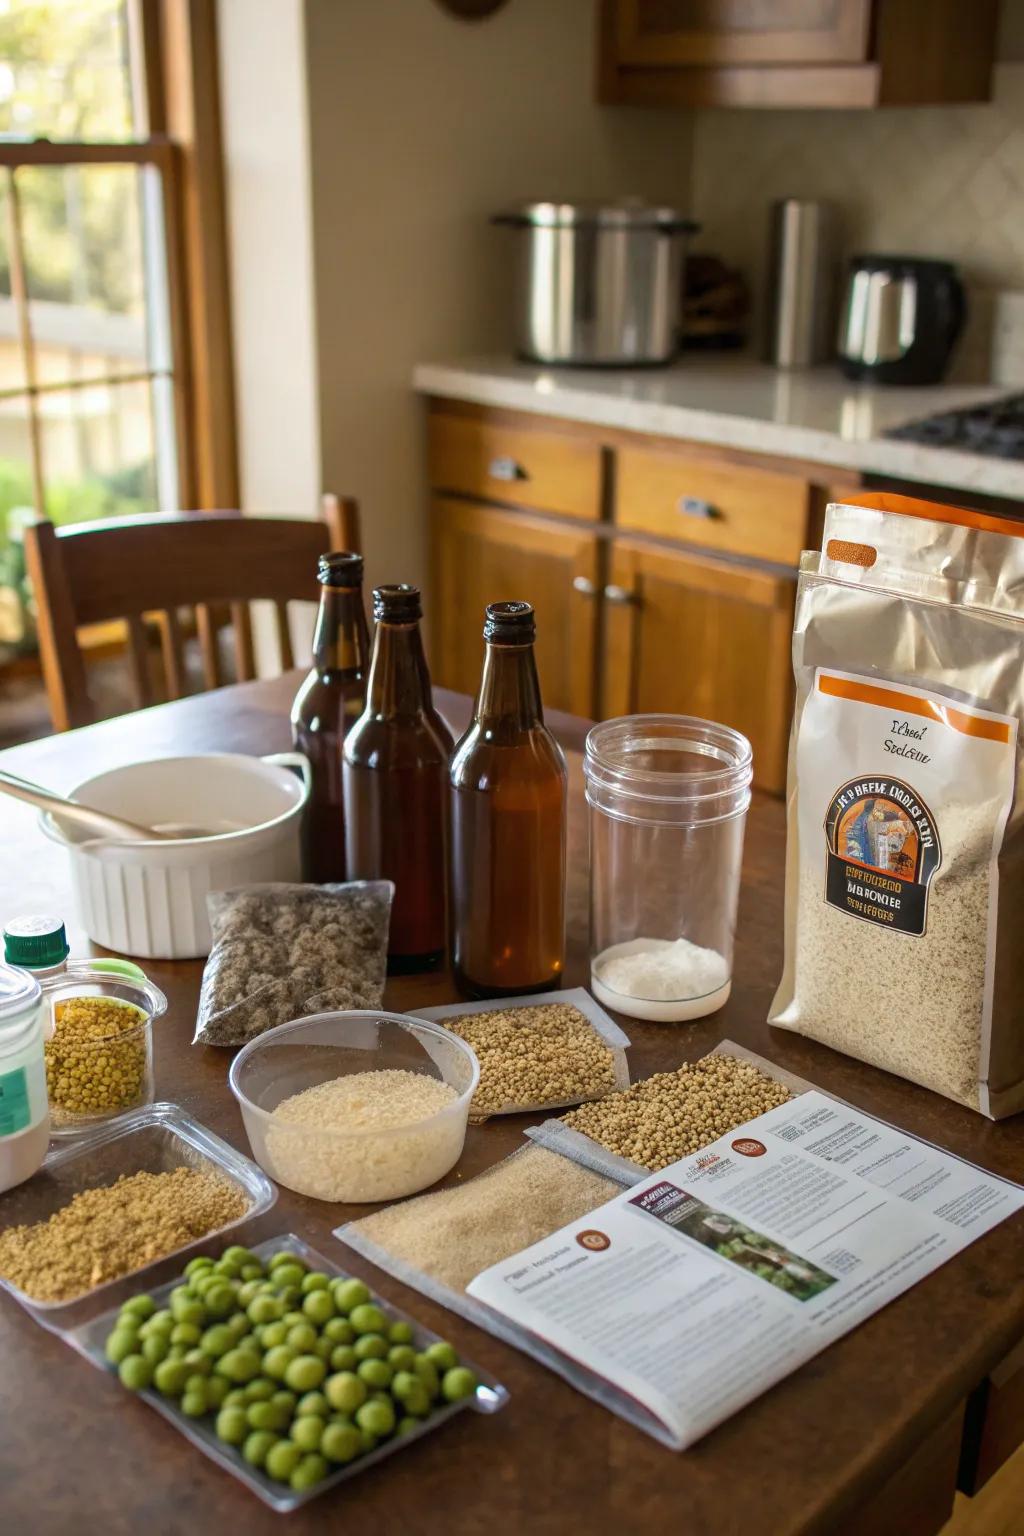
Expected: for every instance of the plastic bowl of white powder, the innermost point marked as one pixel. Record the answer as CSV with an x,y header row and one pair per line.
x,y
358,1106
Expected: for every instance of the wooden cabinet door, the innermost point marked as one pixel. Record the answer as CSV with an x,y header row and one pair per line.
x,y
720,33
483,555
693,636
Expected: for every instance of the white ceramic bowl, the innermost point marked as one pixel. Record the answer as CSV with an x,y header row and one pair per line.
x,y
149,899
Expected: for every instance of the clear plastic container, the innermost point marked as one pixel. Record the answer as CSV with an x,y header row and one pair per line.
x,y
24,1116
93,1080
668,798
358,1165
156,1139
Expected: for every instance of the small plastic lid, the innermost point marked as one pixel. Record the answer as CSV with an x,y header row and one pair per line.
x,y
36,942
19,990
118,968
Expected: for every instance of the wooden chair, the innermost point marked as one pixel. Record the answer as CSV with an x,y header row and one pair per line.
x,y
158,564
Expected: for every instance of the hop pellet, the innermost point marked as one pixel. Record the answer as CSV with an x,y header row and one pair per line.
x,y
96,1059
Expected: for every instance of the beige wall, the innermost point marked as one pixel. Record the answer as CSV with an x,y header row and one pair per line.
x,y
422,126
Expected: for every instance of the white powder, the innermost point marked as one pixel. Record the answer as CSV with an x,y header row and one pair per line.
x,y
662,970
366,1136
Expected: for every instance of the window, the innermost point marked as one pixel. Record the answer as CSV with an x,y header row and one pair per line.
x,y
102,279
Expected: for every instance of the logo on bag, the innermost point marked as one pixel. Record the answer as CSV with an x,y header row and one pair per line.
x,y
882,851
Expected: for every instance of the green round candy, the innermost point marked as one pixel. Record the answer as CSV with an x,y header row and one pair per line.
x,y
260,1390
239,1365
120,1344
216,1341
287,1274
343,1358
277,1360
139,1306
368,1318
442,1354
402,1357
407,1425
339,1330
282,1459
315,1280
265,1309
188,1334
401,1333
257,1446
265,1416
458,1383
371,1346
376,1373
305,1373
318,1306
219,1300
310,1471
302,1337
170,1377
217,1389
156,1347
313,1402
426,1370
307,1430
345,1392
274,1334
378,1417
193,1404
349,1294
232,1426
341,1443
198,1362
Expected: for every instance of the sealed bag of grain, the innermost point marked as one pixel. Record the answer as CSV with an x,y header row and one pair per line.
x,y
905,853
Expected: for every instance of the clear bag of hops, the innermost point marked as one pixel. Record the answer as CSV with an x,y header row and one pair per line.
x,y
281,951
905,852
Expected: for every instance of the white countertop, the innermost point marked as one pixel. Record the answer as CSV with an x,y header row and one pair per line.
x,y
735,403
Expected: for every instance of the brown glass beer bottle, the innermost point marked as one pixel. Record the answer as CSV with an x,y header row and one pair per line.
x,y
508,798
395,785
328,702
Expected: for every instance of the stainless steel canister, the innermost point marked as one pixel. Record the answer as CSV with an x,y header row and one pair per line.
x,y
598,284
802,283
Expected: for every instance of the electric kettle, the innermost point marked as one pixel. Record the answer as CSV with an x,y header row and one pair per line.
x,y
901,317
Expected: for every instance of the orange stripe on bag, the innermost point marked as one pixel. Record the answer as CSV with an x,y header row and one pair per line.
x,y
909,704
937,512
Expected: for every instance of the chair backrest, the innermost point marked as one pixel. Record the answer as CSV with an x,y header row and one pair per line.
x,y
157,564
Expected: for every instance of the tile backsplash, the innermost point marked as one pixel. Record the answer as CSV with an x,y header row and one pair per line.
x,y
933,181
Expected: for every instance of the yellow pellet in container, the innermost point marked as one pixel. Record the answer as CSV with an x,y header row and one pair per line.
x,y
96,1059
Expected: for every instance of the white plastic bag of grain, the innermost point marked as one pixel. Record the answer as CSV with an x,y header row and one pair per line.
x,y
905,852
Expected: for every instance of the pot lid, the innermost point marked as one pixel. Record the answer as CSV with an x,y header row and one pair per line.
x,y
630,213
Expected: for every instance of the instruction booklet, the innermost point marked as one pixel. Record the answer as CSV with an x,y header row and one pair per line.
x,y
697,1289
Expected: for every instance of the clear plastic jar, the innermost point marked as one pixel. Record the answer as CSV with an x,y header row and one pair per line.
x,y
668,798
99,1046
24,1116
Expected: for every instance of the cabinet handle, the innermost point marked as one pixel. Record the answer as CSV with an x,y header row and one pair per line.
x,y
503,468
620,595
694,506
584,586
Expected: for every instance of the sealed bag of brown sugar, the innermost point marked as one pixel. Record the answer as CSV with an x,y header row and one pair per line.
x,y
905,851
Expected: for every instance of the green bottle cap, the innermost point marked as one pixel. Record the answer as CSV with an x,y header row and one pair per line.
x,y
36,942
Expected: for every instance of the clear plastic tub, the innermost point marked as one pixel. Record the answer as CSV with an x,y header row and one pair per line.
x,y
489,1397
668,798
92,1081
356,1165
156,1139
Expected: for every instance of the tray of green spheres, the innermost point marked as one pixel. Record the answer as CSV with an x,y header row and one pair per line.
x,y
283,1369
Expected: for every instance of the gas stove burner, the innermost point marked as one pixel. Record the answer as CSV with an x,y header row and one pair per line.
x,y
995,429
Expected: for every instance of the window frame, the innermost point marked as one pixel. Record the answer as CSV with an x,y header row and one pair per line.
x,y
175,56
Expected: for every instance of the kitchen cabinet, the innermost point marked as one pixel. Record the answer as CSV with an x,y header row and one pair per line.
x,y
795,53
692,636
485,555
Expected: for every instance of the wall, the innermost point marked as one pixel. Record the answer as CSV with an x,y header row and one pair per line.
x,y
936,181
422,126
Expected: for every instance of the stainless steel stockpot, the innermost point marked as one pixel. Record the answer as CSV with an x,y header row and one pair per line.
x,y
599,285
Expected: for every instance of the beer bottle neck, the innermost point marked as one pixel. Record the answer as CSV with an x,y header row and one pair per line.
x,y
341,641
509,688
399,680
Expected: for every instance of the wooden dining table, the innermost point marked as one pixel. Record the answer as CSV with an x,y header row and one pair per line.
x,y
865,1438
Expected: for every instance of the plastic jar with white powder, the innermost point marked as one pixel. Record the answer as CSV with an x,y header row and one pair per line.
x,y
668,798
24,1110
